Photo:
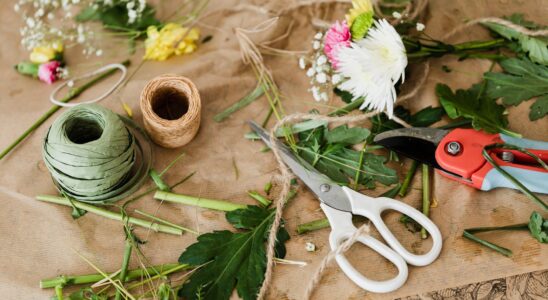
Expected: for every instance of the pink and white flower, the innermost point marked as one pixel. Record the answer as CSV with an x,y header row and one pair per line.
x,y
47,72
337,37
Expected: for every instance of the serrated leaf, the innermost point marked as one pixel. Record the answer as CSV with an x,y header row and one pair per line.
x,y
539,109
535,47
231,260
522,80
538,227
345,135
484,112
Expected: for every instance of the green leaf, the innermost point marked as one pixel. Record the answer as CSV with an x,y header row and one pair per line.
x,y
83,294
346,96
539,109
345,135
231,260
90,13
538,227
536,47
484,112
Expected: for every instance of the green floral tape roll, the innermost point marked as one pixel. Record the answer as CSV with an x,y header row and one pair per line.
x,y
90,153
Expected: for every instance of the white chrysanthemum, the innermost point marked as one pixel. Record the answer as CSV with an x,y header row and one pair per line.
x,y
372,66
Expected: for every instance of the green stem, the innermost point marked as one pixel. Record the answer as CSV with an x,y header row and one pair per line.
x,y
469,234
160,275
425,196
259,198
360,164
72,94
157,179
314,225
165,222
245,101
511,178
267,187
196,201
347,108
408,177
93,278
59,292
110,215
125,263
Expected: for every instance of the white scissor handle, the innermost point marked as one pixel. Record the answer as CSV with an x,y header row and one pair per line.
x,y
342,229
372,209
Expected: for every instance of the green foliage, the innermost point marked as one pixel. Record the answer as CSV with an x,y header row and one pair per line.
x,y
538,227
522,80
115,17
535,47
330,152
83,294
472,104
232,259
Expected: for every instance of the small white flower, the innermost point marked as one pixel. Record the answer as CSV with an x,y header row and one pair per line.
x,y
321,77
310,247
372,66
50,16
322,59
99,52
316,45
316,93
16,8
396,15
336,78
75,1
40,12
70,83
310,72
31,23
318,36
420,27
324,96
302,63
132,16
130,5
81,39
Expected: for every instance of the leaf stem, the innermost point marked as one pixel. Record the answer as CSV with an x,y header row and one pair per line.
x,y
408,177
72,94
165,222
245,101
110,215
347,108
425,196
93,278
196,201
469,234
313,225
259,198
125,263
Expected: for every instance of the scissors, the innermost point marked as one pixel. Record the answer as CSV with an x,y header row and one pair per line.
x,y
339,203
457,154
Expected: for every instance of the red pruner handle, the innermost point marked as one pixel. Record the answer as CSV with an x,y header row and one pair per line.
x,y
471,167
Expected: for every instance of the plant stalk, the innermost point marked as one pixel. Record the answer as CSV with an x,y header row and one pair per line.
x,y
72,94
259,198
125,263
314,225
245,101
165,222
93,278
109,214
425,196
200,202
408,177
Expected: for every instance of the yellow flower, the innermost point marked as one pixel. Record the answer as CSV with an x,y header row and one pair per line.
x,y
358,7
171,39
47,52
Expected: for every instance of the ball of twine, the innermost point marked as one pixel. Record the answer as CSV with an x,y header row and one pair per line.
x,y
171,110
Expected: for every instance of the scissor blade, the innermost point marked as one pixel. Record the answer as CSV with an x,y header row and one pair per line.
x,y
325,189
417,143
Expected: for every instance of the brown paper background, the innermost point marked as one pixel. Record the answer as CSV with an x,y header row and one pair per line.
x,y
40,240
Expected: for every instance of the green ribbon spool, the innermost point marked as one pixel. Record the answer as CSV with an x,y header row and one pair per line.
x,y
93,156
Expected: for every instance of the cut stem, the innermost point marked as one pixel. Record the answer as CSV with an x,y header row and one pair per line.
x,y
110,215
425,196
347,108
93,278
125,263
72,94
165,222
259,198
200,202
312,226
245,101
408,177
469,234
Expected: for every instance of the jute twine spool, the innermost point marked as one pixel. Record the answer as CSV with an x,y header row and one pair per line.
x,y
171,110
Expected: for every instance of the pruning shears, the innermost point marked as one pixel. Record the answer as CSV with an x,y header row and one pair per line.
x,y
458,154
339,203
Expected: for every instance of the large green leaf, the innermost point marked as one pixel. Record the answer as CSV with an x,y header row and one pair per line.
x,y
522,80
232,260
536,47
484,112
